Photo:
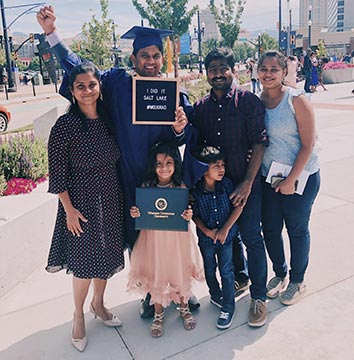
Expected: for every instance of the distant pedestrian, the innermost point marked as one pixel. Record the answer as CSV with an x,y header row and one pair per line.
x,y
314,73
290,78
25,79
256,87
321,64
307,71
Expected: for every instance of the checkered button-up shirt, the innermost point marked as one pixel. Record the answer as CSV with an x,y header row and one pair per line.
x,y
232,124
213,208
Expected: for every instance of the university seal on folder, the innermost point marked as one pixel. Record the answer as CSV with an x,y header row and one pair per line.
x,y
161,209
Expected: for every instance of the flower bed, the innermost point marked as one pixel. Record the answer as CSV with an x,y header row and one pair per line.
x,y
17,186
23,164
338,72
332,65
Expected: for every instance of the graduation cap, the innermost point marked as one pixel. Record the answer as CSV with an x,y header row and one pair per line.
x,y
144,37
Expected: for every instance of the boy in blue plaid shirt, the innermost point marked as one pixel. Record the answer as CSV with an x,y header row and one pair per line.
x,y
215,218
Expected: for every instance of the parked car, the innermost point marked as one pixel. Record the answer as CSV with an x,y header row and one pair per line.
x,y
5,117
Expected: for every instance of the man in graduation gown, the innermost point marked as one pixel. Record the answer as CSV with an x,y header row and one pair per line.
x,y
133,140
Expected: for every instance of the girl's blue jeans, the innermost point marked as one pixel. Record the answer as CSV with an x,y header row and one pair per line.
x,y
294,211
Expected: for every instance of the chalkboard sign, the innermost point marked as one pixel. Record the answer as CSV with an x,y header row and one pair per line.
x,y
155,100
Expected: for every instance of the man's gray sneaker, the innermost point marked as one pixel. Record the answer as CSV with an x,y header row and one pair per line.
x,y
275,286
293,293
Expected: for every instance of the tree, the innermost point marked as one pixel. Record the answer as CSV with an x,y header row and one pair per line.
x,y
78,47
97,38
2,58
321,49
209,45
167,14
228,19
268,43
34,64
243,51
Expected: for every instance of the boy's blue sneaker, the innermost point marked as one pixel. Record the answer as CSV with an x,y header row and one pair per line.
x,y
216,301
225,320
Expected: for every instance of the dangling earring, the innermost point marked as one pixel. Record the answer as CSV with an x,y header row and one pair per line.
x,y
101,96
73,99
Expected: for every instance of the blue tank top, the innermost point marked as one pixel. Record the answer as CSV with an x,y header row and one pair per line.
x,y
284,138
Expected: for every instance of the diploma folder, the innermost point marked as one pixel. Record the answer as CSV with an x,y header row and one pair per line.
x,y
161,208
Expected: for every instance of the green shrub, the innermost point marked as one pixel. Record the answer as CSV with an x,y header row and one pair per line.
x,y
197,88
23,156
243,79
3,184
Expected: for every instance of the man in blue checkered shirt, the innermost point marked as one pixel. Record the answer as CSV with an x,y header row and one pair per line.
x,y
215,218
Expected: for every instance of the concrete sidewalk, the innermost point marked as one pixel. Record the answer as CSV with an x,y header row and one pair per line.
x,y
35,316
25,93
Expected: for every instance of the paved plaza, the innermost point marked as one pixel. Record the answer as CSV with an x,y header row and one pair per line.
x,y
35,316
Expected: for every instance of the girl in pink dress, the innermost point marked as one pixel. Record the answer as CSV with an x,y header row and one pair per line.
x,y
163,263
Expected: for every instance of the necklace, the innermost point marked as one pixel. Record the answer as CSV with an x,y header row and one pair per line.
x,y
165,186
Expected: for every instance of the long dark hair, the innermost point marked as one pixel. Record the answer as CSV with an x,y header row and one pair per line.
x,y
84,68
168,149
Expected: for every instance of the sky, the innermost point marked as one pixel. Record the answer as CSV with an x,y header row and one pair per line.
x,y
71,14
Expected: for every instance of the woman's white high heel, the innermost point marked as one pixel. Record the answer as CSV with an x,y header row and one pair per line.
x,y
110,323
79,344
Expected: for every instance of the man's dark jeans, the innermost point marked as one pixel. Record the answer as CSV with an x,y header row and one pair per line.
x,y
295,211
250,229
217,255
239,261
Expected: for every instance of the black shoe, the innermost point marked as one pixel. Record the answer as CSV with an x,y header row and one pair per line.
x,y
241,287
216,301
193,303
146,310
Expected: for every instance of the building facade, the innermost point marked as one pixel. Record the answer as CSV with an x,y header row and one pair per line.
x,y
319,13
340,15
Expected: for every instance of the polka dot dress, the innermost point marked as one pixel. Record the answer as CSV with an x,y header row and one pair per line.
x,y
86,164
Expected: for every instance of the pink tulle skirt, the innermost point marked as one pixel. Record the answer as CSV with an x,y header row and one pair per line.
x,y
164,263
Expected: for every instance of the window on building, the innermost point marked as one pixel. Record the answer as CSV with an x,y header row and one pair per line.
x,y
340,17
341,3
340,24
340,11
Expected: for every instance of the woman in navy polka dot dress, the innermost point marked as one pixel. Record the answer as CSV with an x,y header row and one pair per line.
x,y
83,171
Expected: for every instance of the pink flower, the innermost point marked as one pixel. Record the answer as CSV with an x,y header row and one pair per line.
x,y
337,65
17,186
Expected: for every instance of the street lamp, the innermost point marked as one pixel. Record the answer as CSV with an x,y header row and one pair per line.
x,y
11,85
10,82
259,45
115,50
199,32
310,24
279,25
288,29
